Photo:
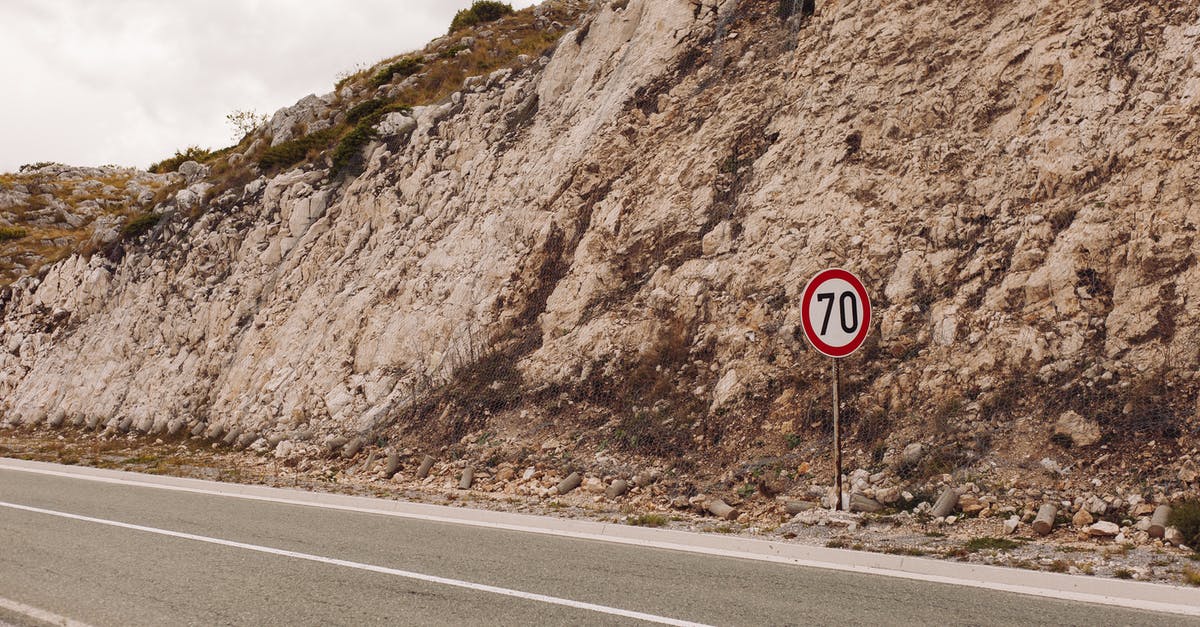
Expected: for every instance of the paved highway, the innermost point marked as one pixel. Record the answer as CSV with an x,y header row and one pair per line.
x,y
119,554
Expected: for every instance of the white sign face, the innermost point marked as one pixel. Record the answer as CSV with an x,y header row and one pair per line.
x,y
836,312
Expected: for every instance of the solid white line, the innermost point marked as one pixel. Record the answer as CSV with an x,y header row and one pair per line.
x,y
530,596
39,614
905,568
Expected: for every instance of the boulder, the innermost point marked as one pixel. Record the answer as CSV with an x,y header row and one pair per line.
x,y
860,503
1080,431
912,454
1104,529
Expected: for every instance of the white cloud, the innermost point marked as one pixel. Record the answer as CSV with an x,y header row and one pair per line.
x,y
130,81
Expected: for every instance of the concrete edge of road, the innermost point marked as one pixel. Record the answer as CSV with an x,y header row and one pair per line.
x,y
1129,594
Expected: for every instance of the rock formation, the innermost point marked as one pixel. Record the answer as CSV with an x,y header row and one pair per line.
x,y
613,237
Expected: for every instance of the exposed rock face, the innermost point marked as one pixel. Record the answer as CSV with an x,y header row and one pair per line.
x,y
1079,430
630,221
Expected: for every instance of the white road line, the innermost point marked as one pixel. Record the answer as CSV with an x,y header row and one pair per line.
x,y
530,596
39,614
914,569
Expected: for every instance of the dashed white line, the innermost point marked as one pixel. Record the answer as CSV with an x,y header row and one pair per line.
x,y
38,614
446,581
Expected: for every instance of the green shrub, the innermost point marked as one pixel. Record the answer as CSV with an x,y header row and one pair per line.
x,y
1185,517
363,109
296,150
12,232
171,164
140,224
480,12
348,153
452,51
403,68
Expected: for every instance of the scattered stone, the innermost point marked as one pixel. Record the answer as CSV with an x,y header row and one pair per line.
x,y
1158,522
1010,525
1051,466
912,454
1104,529
529,473
795,507
721,509
1081,431
1082,519
860,503
1142,509
468,477
244,441
352,447
570,483
945,503
970,504
1173,536
393,465
426,466
888,495
617,489
1043,524
827,518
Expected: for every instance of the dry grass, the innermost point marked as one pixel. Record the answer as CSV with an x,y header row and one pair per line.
x,y
45,235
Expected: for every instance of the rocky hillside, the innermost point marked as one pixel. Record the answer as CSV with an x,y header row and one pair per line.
x,y
50,211
602,244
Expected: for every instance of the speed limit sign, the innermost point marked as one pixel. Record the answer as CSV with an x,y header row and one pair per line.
x,y
836,312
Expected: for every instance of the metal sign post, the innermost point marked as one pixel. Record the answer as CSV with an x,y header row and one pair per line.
x,y
836,312
837,433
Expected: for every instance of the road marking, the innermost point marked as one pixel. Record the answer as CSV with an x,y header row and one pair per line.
x,y
1050,585
530,596
38,614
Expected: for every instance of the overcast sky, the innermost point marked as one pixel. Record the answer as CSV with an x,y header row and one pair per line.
x,y
130,81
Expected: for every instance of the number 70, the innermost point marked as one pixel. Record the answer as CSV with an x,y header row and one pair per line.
x,y
847,299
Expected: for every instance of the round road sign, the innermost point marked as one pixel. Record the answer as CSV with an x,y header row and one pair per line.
x,y
836,312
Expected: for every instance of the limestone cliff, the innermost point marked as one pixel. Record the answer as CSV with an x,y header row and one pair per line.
x,y
609,241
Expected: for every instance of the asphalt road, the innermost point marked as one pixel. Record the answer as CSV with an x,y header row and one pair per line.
x,y
232,561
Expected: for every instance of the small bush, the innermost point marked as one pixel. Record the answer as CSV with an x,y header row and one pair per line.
x,y
348,154
12,233
140,224
1185,517
363,109
481,12
1191,577
1123,573
296,150
403,68
191,153
453,51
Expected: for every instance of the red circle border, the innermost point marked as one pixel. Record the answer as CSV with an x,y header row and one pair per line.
x,y
811,333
